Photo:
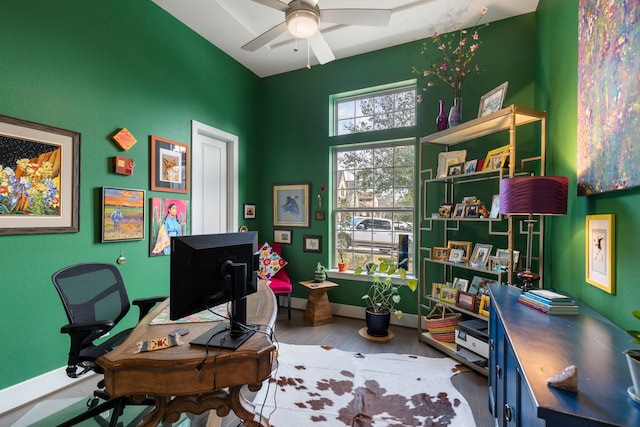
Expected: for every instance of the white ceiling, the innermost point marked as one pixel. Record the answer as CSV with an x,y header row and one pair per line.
x,y
230,24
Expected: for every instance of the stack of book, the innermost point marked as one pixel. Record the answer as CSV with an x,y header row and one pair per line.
x,y
548,302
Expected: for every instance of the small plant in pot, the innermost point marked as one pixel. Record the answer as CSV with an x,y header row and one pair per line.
x,y
342,245
633,359
383,295
320,275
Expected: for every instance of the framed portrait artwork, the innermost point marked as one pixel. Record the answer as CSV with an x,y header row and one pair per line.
x,y
466,301
455,169
480,254
456,255
169,165
600,252
168,219
492,101
40,176
282,236
291,205
496,158
470,166
460,283
448,294
440,253
485,305
448,158
312,243
464,246
123,212
249,211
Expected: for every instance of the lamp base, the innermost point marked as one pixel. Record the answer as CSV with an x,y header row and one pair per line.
x,y
528,277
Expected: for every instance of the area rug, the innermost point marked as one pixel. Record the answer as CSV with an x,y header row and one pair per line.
x,y
324,386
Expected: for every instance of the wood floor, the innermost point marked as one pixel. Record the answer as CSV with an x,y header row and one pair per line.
x,y
342,334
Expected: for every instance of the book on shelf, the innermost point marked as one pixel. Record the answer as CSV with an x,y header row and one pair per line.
x,y
549,295
548,309
558,301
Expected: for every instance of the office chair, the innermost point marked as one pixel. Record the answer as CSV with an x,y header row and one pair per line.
x,y
95,300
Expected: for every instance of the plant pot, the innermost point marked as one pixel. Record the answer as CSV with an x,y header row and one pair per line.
x,y
319,276
377,323
633,361
342,266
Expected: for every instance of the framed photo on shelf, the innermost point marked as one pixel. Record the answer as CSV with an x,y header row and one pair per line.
x,y
500,153
455,169
492,101
503,256
466,301
456,255
169,165
445,210
291,205
460,283
448,294
485,305
440,253
495,206
249,211
458,212
435,289
282,236
480,255
312,243
123,214
464,246
447,158
600,252
472,211
470,166
35,199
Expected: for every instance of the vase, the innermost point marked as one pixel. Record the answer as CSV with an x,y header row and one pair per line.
x,y
377,323
319,276
442,121
455,114
633,362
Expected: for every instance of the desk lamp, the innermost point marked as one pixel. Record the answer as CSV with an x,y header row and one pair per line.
x,y
533,195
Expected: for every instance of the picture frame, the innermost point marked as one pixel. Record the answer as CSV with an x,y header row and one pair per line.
x,y
169,165
466,301
479,284
167,218
447,158
122,214
496,264
463,245
440,253
249,211
458,212
291,205
600,252
503,256
456,255
485,305
448,294
495,206
320,215
470,166
480,255
460,283
445,210
455,169
27,143
498,161
472,211
311,243
282,236
492,101
435,289
500,151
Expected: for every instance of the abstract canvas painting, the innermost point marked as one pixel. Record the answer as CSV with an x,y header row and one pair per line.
x,y
608,103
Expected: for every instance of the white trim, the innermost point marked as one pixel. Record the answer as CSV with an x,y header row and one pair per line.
x,y
34,388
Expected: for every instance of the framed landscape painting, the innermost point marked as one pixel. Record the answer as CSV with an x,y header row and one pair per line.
x,y
122,216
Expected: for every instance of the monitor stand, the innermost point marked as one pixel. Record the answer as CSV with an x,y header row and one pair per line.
x,y
220,337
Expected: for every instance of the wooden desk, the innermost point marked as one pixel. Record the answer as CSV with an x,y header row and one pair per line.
x,y
318,310
171,377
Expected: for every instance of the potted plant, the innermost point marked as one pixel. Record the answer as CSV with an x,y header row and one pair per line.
x,y
342,245
320,274
633,357
383,296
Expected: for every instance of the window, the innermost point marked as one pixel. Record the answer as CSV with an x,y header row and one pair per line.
x,y
373,200
375,109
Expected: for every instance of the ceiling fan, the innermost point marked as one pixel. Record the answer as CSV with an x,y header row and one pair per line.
x,y
302,17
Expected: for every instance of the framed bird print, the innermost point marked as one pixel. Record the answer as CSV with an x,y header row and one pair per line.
x,y
169,165
291,205
600,252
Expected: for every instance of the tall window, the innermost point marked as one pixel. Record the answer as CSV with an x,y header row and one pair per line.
x,y
373,196
390,108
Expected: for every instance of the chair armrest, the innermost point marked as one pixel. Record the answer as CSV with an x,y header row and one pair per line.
x,y
87,327
78,333
146,304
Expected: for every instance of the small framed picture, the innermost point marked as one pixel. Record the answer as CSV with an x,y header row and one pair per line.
x,y
498,161
471,211
169,165
458,212
456,255
470,166
282,236
445,210
448,294
461,284
485,305
312,243
469,200
466,301
496,264
435,289
464,246
480,254
249,211
495,206
447,158
320,215
503,256
492,101
600,252
440,253
455,169
492,155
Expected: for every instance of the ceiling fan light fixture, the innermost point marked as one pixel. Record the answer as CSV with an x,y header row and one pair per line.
x,y
302,24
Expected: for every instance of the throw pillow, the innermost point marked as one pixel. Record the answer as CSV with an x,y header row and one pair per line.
x,y
270,262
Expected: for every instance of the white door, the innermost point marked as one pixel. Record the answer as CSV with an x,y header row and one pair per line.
x,y
214,180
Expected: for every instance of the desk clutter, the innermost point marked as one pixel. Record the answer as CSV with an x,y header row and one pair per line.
x,y
549,302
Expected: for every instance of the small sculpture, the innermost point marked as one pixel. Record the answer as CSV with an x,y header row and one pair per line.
x,y
565,380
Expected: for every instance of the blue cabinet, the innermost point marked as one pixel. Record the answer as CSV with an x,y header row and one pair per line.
x,y
527,347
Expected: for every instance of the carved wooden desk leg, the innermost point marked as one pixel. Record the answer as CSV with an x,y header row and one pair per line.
x,y
154,417
244,409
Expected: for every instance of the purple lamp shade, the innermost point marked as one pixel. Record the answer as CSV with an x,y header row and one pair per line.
x,y
536,195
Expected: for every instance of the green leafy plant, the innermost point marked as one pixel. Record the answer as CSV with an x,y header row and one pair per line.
x,y
383,294
320,268
635,334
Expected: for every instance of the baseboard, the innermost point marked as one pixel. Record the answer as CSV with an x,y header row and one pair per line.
x,y
35,388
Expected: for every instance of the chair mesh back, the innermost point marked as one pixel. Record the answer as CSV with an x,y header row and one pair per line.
x,y
91,292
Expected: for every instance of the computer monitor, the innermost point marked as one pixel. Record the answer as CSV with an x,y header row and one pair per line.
x,y
212,269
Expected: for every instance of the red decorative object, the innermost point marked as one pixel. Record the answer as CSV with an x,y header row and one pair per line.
x,y
124,139
123,165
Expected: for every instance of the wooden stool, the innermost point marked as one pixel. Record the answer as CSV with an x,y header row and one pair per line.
x,y
318,310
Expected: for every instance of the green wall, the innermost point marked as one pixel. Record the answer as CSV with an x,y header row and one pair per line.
x,y
94,67
556,92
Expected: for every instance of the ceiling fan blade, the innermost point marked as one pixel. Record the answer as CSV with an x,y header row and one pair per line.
x,y
274,4
265,37
321,48
368,17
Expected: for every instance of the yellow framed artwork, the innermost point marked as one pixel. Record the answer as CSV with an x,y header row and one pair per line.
x,y
600,252
485,305
496,158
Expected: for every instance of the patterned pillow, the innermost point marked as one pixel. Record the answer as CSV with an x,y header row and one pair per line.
x,y
270,262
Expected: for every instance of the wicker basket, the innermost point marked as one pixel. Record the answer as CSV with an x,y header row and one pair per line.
x,y
442,324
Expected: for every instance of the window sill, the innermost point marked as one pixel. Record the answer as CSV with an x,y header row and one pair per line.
x,y
349,275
